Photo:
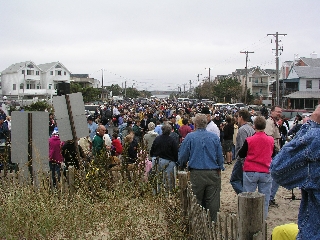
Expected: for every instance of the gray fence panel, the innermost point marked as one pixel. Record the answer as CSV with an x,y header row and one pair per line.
x,y
62,117
40,141
19,137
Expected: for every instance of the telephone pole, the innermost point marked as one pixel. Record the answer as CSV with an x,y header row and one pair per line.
x,y
198,76
209,72
102,92
246,82
277,64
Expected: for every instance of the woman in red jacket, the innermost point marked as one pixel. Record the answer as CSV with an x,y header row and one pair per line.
x,y
257,151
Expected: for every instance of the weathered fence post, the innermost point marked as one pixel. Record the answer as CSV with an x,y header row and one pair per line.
x,y
250,216
71,180
183,182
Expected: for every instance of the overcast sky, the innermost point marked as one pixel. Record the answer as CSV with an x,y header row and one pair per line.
x,y
156,44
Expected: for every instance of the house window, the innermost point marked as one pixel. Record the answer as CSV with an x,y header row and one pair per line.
x,y
51,72
38,86
23,71
309,84
30,66
50,86
37,73
30,86
249,79
65,73
14,87
58,66
29,72
59,73
21,86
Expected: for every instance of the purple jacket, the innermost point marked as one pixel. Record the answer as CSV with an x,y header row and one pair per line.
x,y
55,149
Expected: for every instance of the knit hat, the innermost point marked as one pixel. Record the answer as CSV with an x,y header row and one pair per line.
x,y
55,131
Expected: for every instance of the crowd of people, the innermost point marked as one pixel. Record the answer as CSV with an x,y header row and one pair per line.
x,y
264,150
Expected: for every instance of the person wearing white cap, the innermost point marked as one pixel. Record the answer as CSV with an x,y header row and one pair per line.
x,y
211,127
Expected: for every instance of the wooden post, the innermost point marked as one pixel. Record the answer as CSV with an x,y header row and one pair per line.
x,y
183,182
30,146
250,216
71,179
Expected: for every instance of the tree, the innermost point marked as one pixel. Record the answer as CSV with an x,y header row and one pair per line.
x,y
38,106
227,89
132,93
75,87
205,90
115,89
89,93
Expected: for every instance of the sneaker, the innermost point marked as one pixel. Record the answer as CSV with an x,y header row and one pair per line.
x,y
272,203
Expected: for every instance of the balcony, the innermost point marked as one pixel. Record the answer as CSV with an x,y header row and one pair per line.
x,y
259,84
36,92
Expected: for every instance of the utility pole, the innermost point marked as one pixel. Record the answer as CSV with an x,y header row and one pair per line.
x,y
190,86
125,89
209,73
102,93
184,88
246,82
198,76
277,64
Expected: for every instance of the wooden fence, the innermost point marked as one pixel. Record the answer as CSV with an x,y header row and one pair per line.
x,y
249,223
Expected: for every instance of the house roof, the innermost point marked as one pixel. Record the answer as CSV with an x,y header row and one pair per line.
x,y
307,72
48,66
80,75
304,94
258,69
311,62
13,68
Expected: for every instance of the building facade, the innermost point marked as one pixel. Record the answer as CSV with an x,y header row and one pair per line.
x,y
26,80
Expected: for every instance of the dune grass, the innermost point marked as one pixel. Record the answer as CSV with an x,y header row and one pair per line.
x,y
127,210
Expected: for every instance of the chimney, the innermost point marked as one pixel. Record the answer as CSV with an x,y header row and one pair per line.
x,y
313,55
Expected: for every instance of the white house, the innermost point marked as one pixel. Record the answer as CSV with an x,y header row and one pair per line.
x,y
26,80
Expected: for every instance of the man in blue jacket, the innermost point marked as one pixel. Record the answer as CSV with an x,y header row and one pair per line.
x,y
204,152
298,165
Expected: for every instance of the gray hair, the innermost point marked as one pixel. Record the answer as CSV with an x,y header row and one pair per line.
x,y
200,120
166,129
151,126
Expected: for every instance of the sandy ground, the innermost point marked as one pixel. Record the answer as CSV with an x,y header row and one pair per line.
x,y
286,212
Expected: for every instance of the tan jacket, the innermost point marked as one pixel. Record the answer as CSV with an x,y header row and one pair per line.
x,y
273,131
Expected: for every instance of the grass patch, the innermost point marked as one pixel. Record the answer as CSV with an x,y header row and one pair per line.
x,y
126,211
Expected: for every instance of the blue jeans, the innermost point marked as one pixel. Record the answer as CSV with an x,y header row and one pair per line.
x,y
237,177
274,189
55,168
233,152
252,180
167,168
